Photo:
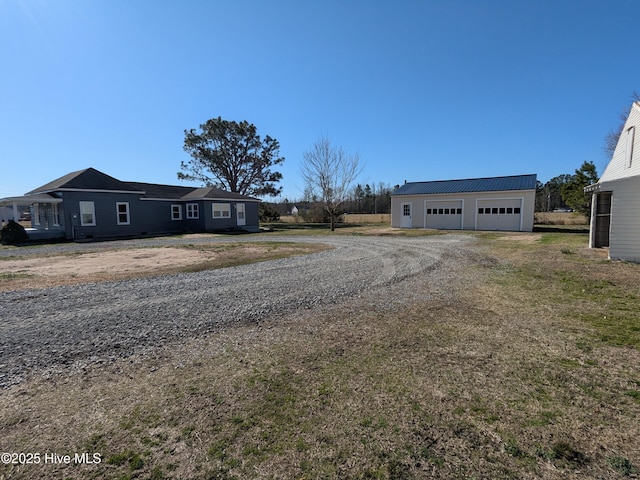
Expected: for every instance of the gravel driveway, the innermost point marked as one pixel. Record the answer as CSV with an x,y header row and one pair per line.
x,y
70,327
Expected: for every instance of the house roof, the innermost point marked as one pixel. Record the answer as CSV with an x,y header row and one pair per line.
x,y
87,179
154,190
212,193
470,185
92,179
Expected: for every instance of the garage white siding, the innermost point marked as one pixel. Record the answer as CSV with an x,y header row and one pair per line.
x,y
620,180
497,203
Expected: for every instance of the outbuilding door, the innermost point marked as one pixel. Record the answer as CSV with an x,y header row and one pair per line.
x,y
443,214
603,219
499,214
406,216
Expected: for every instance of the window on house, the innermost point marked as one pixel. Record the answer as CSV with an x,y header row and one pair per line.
x,y
502,210
509,210
176,212
480,211
221,210
193,210
494,211
428,211
628,154
516,210
458,211
87,214
122,209
56,214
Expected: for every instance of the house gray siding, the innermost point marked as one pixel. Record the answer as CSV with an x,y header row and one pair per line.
x,y
220,224
146,209
146,217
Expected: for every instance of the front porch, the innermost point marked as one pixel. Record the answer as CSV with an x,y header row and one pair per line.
x,y
42,214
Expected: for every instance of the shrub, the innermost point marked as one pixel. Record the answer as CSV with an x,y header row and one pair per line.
x,y
13,233
267,213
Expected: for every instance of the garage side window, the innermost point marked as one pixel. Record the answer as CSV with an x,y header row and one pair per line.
x,y
87,214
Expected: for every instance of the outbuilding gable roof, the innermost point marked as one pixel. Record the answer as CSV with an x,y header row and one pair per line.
x,y
470,185
87,179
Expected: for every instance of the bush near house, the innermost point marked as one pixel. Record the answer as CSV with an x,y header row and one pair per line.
x,y
13,233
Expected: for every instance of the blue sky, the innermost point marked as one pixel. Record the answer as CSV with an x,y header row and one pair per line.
x,y
422,89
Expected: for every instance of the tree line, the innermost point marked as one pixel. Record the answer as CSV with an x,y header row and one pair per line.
x,y
566,192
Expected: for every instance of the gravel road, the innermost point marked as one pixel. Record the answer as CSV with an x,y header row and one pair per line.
x,y
71,327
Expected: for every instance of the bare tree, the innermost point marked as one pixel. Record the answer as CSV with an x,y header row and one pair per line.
x,y
329,171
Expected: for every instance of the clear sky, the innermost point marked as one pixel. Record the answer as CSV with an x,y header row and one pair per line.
x,y
422,89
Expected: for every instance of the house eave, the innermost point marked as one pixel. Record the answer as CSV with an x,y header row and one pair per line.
x,y
87,190
29,199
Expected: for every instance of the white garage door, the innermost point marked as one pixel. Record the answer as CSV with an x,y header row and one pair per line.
x,y
443,214
499,214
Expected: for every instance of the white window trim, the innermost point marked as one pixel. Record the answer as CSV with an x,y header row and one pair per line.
x,y
118,213
176,207
92,210
227,211
193,211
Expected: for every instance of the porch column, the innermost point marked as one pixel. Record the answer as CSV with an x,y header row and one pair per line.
x,y
592,220
16,214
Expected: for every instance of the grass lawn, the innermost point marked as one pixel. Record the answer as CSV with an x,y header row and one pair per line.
x,y
527,369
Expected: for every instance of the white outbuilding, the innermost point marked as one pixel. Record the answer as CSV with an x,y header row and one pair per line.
x,y
494,203
615,221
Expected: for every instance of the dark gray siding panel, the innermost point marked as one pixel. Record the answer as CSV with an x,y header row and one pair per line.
x,y
253,217
221,224
218,224
146,217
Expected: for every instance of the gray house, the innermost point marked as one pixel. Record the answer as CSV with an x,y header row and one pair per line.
x,y
493,203
89,204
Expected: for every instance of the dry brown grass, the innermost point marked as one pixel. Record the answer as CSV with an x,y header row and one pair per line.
x,y
36,272
511,372
560,218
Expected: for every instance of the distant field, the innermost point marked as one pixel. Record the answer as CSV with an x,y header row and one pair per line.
x,y
541,218
557,218
347,218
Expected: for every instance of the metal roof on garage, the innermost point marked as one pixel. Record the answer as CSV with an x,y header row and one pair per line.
x,y
469,185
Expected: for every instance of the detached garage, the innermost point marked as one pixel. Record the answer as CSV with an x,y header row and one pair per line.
x,y
495,203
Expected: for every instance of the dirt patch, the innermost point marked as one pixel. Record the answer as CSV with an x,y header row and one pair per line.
x,y
46,271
